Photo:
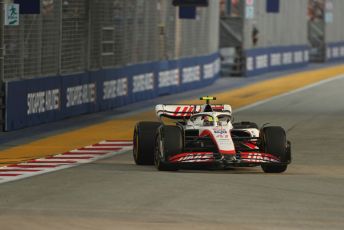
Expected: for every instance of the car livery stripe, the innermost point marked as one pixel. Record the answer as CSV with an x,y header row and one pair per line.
x,y
61,161
230,152
208,133
217,107
190,157
188,153
184,110
176,111
189,111
254,157
250,145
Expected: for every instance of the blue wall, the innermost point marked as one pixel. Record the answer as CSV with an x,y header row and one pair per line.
x,y
36,101
264,60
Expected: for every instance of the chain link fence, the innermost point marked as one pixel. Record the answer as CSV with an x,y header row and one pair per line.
x,y
74,36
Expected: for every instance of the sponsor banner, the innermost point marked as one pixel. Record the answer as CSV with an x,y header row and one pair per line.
x,y
36,101
275,59
191,74
43,101
263,60
32,102
81,94
115,88
335,51
78,94
169,78
298,57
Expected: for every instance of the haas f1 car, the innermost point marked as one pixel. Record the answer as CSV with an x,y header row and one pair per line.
x,y
205,135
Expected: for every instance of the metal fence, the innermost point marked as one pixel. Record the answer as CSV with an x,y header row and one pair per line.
x,y
73,36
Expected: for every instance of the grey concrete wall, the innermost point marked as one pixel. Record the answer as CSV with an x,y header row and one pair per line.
x,y
200,35
288,27
335,29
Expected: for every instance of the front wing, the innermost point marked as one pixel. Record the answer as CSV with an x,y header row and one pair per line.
x,y
238,159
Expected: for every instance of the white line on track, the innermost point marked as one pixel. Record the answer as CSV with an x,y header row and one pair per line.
x,y
289,93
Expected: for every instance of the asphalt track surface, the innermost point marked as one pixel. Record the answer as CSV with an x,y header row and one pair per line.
x,y
114,193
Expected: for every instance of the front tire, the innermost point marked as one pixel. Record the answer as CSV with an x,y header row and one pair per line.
x,y
169,141
274,141
144,142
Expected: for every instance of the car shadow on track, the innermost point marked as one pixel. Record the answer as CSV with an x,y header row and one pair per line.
x,y
131,167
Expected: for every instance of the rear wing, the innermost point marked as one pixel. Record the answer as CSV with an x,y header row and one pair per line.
x,y
185,111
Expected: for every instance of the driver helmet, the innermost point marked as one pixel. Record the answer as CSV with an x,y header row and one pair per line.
x,y
208,121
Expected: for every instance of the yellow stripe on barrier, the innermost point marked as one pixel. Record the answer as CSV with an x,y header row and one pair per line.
x,y
122,128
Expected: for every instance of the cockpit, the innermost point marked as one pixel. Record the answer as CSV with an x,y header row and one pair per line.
x,y
210,119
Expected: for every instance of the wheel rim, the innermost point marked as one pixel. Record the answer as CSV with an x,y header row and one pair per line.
x,y
158,151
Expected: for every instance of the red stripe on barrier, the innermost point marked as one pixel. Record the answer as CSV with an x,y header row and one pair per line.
x,y
37,166
69,158
9,174
54,162
19,170
85,153
100,149
32,166
109,145
119,141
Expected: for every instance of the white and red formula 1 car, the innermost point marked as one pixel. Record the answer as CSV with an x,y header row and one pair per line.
x,y
205,135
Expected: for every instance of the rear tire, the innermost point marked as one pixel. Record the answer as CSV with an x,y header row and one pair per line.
x,y
274,141
169,141
144,142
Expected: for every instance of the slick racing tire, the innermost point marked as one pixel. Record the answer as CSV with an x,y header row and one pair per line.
x,y
245,125
274,141
144,142
169,141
